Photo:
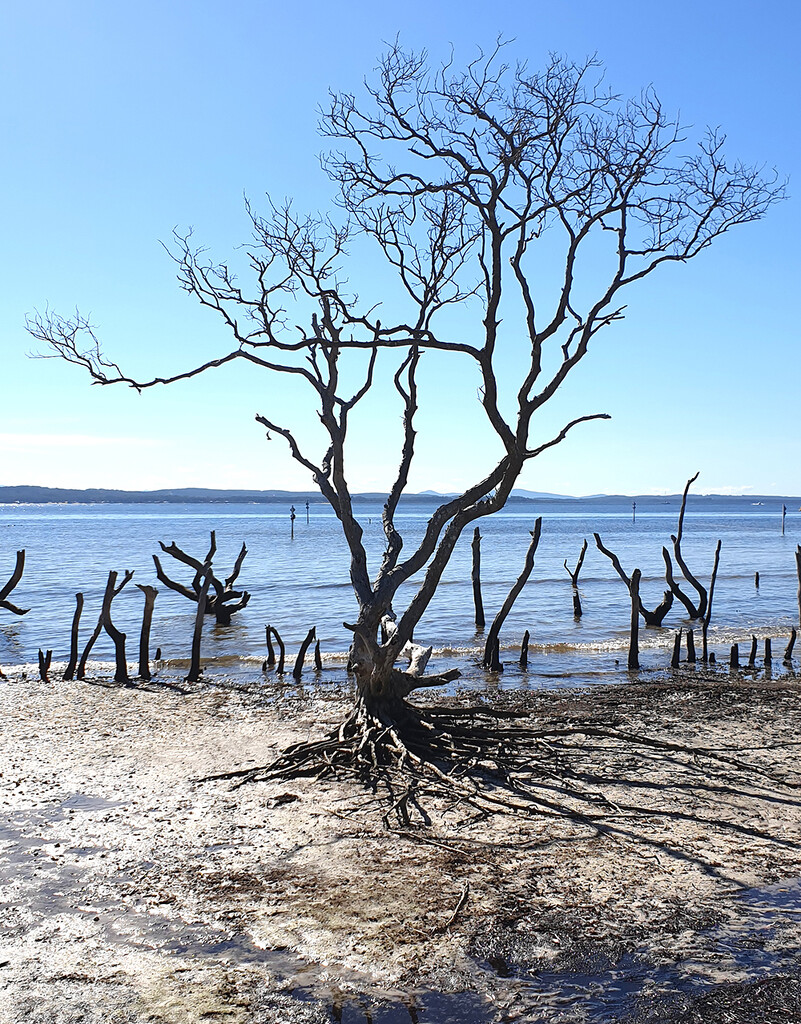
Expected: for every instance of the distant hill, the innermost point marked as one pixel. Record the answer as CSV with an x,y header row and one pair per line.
x,y
535,500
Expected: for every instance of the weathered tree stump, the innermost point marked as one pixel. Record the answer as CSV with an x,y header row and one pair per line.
x,y
150,594
297,671
104,622
14,579
634,637
279,668
225,600
475,576
44,665
69,671
651,618
690,647
675,660
708,615
524,650
752,653
194,661
734,657
493,637
574,579
788,652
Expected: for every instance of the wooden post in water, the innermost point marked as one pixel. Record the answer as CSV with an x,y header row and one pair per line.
x,y
690,647
788,652
475,576
675,660
753,653
756,580
634,639
734,657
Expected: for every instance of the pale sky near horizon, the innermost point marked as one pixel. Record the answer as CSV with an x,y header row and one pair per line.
x,y
123,121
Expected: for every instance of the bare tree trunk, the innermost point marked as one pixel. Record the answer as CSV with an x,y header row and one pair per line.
x,y
144,637
700,590
675,660
117,637
14,579
476,578
634,639
708,615
297,671
798,573
103,621
692,611
654,618
44,665
493,637
279,669
270,652
753,653
788,652
194,663
69,671
690,647
524,650
574,579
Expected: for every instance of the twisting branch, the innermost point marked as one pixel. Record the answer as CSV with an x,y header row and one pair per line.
x,y
14,579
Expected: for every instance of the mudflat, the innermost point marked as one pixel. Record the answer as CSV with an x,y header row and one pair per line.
x,y
658,880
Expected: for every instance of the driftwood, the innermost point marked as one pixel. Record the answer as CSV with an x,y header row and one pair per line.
x,y
224,601
69,671
150,594
491,657
14,579
475,576
574,579
699,611
651,618
104,622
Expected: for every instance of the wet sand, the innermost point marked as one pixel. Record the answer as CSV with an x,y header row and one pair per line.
x,y
130,892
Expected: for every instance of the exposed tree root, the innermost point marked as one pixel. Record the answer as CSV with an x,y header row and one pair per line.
x,y
491,761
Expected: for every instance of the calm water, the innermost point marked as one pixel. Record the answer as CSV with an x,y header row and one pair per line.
x,y
303,582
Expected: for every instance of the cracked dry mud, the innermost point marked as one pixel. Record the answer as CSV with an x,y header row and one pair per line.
x,y
129,892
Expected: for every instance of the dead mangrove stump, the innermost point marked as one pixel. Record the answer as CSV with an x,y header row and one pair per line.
x,y
270,650
788,651
734,658
491,659
633,662
279,668
650,618
224,601
150,594
708,615
524,650
195,670
44,665
574,579
104,622
69,671
14,579
675,660
297,671
703,597
752,653
690,647
475,576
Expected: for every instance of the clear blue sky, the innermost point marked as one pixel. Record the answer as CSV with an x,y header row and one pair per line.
x,y
122,121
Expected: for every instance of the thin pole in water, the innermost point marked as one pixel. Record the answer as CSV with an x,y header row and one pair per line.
x,y
307,512
634,511
292,522
784,514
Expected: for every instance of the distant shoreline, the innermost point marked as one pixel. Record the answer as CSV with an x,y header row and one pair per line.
x,y
30,494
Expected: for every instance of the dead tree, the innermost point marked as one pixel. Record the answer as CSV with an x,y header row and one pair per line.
x,y
45,657
694,611
225,600
14,579
453,178
798,574
633,663
150,594
297,671
475,576
574,579
195,670
69,671
653,618
104,623
491,659
708,615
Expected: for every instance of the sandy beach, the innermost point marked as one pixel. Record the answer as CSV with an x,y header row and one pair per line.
x,y
131,892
